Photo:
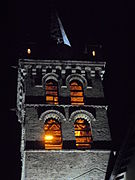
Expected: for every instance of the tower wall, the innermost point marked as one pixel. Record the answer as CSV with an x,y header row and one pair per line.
x,y
66,165
34,126
69,162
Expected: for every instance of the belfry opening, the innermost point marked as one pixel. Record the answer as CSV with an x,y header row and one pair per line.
x,y
53,135
83,134
76,93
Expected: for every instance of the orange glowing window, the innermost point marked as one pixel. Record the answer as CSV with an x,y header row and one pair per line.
x,y
83,134
51,92
53,137
76,93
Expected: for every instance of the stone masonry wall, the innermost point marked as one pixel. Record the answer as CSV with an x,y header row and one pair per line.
x,y
65,165
92,72
34,127
95,91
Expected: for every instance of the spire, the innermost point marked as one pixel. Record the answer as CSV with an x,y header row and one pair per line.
x,y
64,36
57,30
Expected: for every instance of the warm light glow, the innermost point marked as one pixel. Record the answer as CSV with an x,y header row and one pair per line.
x,y
48,137
93,53
53,136
76,93
82,134
51,92
77,133
29,51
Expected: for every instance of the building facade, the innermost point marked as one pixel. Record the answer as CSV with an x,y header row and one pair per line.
x,y
63,114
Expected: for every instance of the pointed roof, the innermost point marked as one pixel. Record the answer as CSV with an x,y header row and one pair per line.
x,y
57,31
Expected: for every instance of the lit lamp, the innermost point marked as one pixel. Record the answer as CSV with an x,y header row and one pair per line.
x,y
29,51
48,137
93,53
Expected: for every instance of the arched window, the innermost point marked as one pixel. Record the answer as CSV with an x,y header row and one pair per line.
x,y
53,136
83,134
76,93
51,88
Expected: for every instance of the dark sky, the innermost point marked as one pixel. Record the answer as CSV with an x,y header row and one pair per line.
x,y
104,22
93,21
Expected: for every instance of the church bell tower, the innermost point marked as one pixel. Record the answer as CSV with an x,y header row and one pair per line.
x,y
63,115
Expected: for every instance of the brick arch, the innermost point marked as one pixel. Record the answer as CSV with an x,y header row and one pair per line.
x,y
82,114
52,114
77,77
49,76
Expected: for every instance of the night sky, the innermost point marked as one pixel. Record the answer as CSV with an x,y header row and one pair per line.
x,y
102,22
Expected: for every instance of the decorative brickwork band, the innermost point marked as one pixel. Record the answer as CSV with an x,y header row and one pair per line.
x,y
82,114
52,114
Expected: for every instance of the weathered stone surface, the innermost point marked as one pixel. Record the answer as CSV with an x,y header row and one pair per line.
x,y
100,127
34,129
65,165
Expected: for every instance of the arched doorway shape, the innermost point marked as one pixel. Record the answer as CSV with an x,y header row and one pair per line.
x,y
50,85
76,93
53,134
83,130
83,134
51,92
52,128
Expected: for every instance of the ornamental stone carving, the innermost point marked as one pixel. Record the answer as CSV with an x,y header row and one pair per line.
x,y
83,115
52,114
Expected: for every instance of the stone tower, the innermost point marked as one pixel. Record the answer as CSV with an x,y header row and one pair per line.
x,y
61,107
65,133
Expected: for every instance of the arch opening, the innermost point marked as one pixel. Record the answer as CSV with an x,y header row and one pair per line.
x,y
83,134
76,93
51,89
53,134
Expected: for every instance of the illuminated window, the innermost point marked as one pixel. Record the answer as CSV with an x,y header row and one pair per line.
x,y
51,92
76,93
53,137
82,134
